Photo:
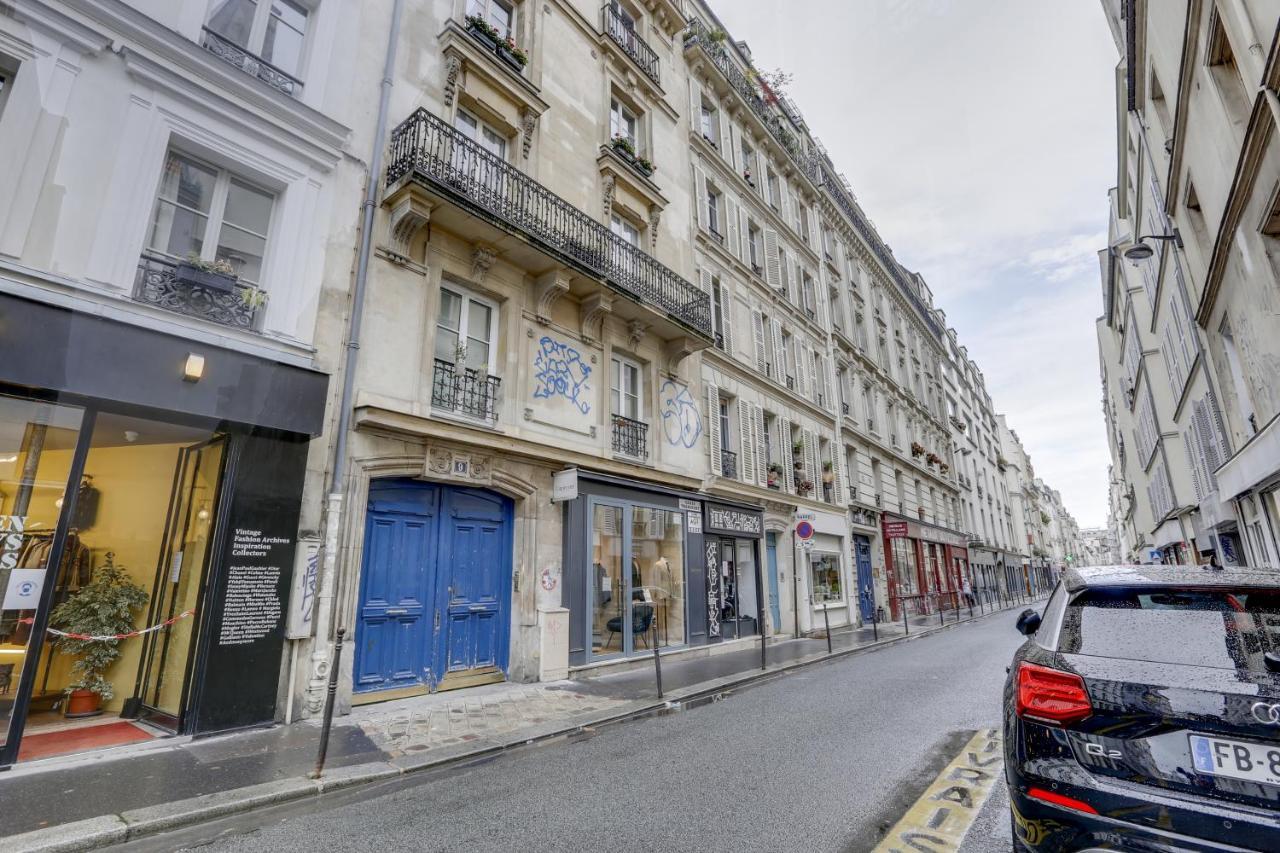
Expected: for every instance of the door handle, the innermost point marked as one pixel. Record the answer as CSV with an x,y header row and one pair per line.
x,y
476,607
396,611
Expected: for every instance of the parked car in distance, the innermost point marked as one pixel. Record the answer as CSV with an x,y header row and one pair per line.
x,y
1143,712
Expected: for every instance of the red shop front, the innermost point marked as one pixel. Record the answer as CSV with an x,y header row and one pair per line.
x,y
926,566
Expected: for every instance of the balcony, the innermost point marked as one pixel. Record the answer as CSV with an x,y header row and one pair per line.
x,y
623,34
774,120
630,438
254,66
495,201
465,392
163,283
729,464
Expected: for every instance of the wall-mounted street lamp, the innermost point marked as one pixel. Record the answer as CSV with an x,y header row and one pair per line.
x,y
1140,251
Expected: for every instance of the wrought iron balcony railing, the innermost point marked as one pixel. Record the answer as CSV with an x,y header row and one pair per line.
x,y
465,391
729,463
623,32
630,438
157,282
774,120
425,148
255,66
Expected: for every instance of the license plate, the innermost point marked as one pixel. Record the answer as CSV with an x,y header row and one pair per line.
x,y
1235,759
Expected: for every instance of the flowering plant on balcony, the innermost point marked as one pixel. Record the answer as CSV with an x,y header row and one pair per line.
x,y
625,146
479,25
917,449
933,459
944,467
516,51
805,486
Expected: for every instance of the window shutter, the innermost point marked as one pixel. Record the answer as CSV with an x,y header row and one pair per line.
x,y
802,369
726,138
840,491
700,193
762,454
731,221
744,234
1194,461
726,299
746,447
796,286
713,428
1219,430
810,458
779,355
757,332
772,266
695,105
787,455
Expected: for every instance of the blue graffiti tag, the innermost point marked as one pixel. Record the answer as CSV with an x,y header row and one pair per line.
x,y
561,372
680,419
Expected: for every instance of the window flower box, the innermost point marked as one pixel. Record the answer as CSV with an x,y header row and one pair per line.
x,y
211,276
510,53
625,149
481,30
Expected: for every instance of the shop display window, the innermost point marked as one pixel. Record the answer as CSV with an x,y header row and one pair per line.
x,y
826,578
739,595
904,565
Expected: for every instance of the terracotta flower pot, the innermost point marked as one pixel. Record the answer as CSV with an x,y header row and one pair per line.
x,y
83,703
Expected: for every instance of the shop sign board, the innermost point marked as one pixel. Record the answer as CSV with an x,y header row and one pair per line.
x,y
564,485
734,521
896,530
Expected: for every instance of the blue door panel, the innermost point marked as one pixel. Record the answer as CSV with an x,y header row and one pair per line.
x,y
866,587
435,584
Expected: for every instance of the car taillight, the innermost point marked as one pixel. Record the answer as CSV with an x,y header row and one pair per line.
x,y
1061,800
1051,695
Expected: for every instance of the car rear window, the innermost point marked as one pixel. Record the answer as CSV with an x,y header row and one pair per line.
x,y
1202,627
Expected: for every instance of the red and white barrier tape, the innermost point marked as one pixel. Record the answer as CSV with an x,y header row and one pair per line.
x,y
73,636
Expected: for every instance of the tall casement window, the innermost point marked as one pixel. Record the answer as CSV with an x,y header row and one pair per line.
x,y
804,223
755,249
623,123
498,13
709,123
465,330
275,31
625,389
718,309
775,194
748,162
713,211
208,212
810,296
484,135
624,229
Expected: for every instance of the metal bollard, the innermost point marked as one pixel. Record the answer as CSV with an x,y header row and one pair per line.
x,y
826,620
875,627
906,626
941,611
762,654
334,666
657,661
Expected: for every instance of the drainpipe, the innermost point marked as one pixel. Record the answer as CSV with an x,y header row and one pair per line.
x,y
320,652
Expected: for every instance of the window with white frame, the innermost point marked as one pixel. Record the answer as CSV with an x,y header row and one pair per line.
x,y
499,14
624,124
717,311
625,388
775,194
709,123
208,212
624,229
485,135
274,30
748,162
466,327
713,209
754,248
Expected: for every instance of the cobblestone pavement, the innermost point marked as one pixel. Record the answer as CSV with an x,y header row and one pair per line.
x,y
447,719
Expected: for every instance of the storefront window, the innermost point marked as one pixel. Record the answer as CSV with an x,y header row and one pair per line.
x,y
826,578
746,593
904,565
657,565
608,592
37,443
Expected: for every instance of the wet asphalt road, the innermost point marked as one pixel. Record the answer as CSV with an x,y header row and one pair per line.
x,y
827,758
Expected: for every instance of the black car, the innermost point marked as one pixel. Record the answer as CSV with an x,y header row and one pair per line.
x,y
1143,712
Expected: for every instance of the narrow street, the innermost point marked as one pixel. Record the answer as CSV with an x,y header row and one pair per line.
x,y
827,758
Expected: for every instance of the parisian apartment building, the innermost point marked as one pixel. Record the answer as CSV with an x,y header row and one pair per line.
x,y
1188,341
503,340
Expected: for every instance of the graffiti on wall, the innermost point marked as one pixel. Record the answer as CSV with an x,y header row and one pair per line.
x,y
713,587
681,422
560,371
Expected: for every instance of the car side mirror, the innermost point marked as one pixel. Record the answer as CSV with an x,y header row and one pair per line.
x,y
1028,622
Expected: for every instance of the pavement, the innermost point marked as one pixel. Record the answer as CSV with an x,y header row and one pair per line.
x,y
182,783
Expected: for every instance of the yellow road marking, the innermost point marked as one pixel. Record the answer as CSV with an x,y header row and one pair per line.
x,y
938,821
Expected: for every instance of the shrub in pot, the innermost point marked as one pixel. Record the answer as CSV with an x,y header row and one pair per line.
x,y
104,607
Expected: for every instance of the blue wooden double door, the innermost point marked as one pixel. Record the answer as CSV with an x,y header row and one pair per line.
x,y
435,585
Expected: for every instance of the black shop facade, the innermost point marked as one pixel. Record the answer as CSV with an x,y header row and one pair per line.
x,y
150,488
649,567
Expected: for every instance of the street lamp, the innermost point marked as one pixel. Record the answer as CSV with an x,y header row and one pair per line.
x,y
1140,251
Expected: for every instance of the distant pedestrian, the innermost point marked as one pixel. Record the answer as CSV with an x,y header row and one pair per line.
x,y
968,593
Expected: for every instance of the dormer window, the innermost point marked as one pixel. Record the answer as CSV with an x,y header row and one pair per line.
x,y
273,31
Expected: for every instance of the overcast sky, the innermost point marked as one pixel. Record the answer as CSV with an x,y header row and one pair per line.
x,y
979,135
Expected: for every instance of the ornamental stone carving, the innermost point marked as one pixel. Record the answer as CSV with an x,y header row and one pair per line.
x,y
452,70
482,258
609,188
528,124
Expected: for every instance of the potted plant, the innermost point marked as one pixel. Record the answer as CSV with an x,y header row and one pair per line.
x,y
933,459
917,449
103,608
944,467
483,31
828,475
212,275
253,297
512,54
806,486
774,474
797,448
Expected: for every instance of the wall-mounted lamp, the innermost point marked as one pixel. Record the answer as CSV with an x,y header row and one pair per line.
x,y
1140,251
193,370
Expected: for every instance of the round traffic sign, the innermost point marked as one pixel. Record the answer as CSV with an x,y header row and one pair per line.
x,y
804,530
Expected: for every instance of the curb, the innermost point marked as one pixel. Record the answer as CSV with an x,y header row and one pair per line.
x,y
97,832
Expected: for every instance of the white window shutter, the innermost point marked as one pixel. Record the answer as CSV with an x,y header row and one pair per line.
x,y
779,356
802,371
810,459
757,332
726,138
713,428
731,221
772,267
695,105
726,298
1194,461
744,234
787,455
700,193
746,447
762,454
